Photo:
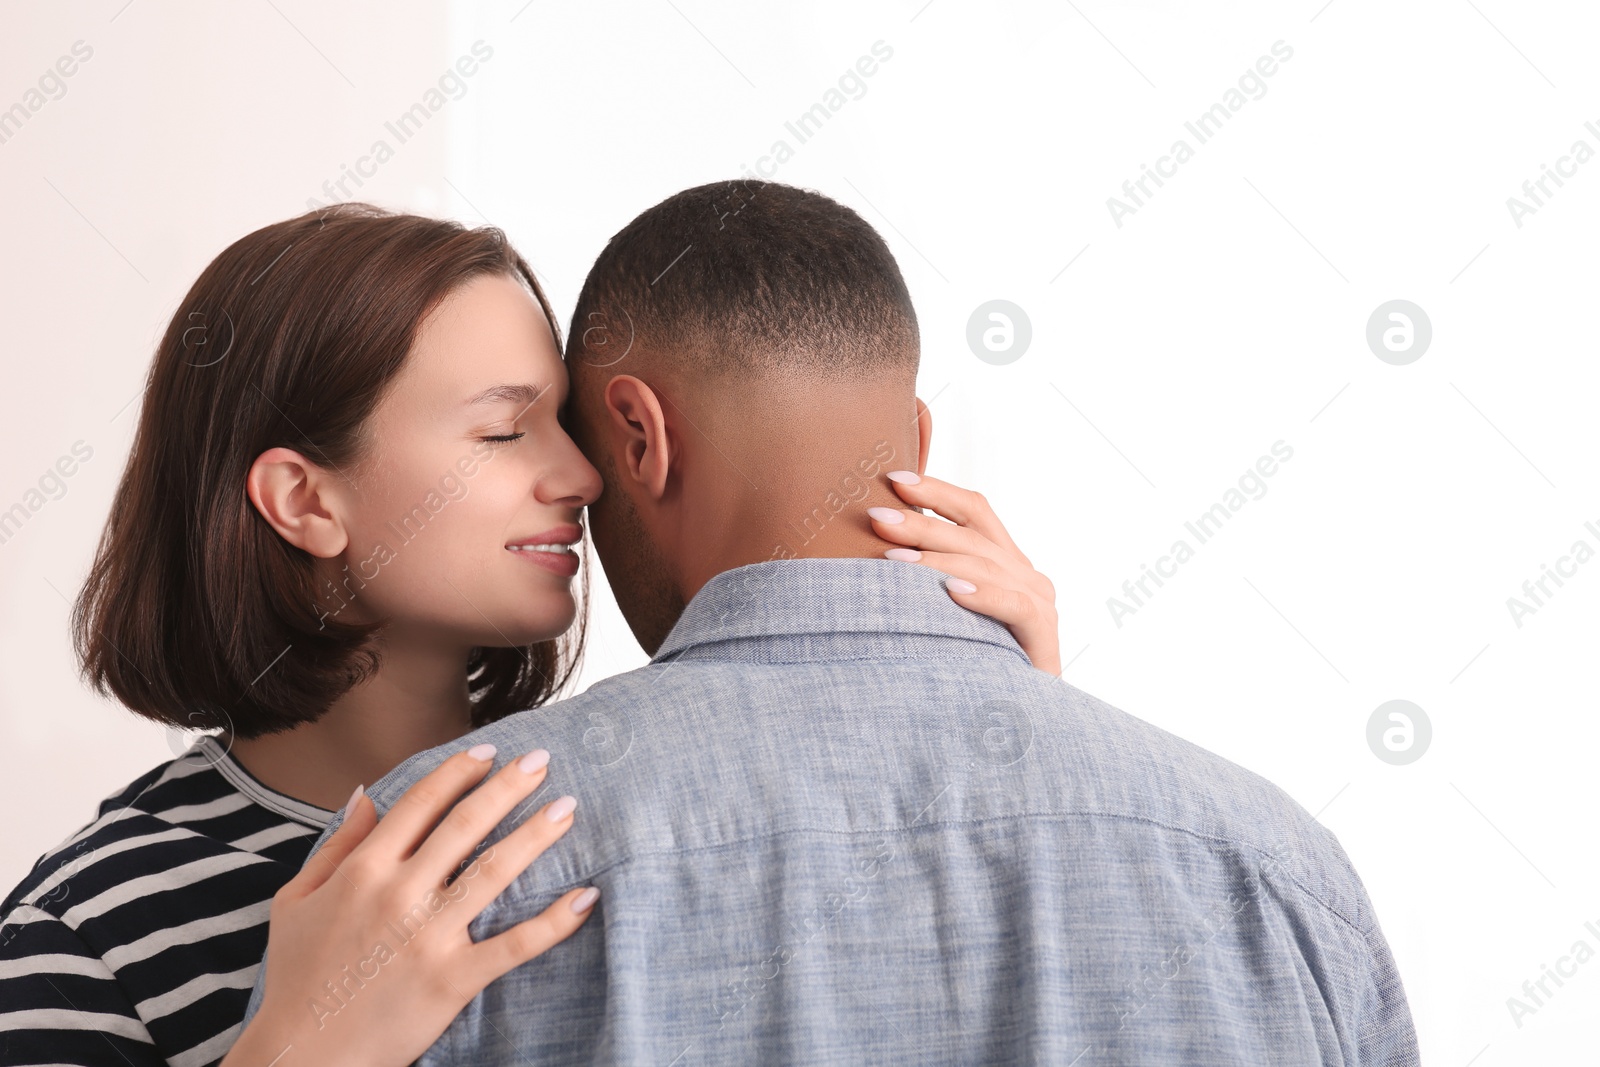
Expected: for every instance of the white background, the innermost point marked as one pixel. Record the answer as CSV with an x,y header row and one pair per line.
x,y
1228,313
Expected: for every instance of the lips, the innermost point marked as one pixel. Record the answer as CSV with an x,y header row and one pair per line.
x,y
556,539
553,549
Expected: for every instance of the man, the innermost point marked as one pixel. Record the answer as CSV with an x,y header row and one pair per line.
x,y
838,818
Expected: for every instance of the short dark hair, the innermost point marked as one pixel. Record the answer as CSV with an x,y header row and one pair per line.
x,y
748,277
195,612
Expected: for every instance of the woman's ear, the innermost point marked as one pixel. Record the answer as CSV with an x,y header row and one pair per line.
x,y
924,435
633,412
295,496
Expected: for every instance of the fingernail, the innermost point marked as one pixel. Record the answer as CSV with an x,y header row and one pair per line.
x,y
354,797
888,515
484,751
561,809
905,477
585,900
959,585
905,555
534,760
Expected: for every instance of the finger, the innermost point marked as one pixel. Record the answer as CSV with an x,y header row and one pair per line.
x,y
420,807
532,938
1031,622
962,506
1036,600
975,569
360,816
470,821
915,530
488,875
1012,607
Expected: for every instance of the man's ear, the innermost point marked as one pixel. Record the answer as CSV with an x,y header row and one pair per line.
x,y
924,435
295,496
634,414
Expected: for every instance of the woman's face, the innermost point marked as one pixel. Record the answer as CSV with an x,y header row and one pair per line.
x,y
466,469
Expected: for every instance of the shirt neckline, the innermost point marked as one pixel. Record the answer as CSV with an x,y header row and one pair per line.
x,y
222,760
789,597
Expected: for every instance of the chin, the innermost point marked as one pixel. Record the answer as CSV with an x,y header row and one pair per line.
x,y
528,628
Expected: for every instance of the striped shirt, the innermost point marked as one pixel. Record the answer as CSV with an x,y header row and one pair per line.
x,y
136,940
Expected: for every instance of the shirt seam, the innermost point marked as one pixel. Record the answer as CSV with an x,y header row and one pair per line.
x,y
706,620
877,657
1330,908
258,793
90,953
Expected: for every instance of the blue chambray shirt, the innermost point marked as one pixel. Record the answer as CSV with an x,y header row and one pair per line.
x,y
839,819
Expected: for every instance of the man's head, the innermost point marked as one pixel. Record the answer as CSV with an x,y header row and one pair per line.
x,y
743,364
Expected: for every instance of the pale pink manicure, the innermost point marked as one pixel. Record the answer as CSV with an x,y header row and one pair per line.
x,y
888,515
561,809
484,751
905,477
959,585
585,900
533,761
351,803
904,555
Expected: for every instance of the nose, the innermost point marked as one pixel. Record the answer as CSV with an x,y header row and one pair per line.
x,y
570,480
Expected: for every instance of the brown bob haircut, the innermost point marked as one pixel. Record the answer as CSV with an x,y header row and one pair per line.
x,y
195,612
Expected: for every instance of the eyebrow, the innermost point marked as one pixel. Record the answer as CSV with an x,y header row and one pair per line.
x,y
518,393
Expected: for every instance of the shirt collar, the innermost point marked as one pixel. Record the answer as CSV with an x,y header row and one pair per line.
x,y
813,598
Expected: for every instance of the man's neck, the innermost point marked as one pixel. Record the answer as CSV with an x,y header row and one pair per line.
x,y
831,526
767,472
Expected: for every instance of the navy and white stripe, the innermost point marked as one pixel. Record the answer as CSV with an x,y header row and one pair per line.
x,y
136,940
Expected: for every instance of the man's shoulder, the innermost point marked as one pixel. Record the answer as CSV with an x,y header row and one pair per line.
x,y
596,726
1125,752
649,753
1148,773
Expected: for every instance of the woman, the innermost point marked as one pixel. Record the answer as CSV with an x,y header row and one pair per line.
x,y
356,357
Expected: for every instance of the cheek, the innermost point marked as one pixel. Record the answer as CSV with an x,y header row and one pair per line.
x,y
434,535
434,557
409,534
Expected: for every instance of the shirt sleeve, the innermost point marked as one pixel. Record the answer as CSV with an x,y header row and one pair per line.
x,y
1388,1036
62,1004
